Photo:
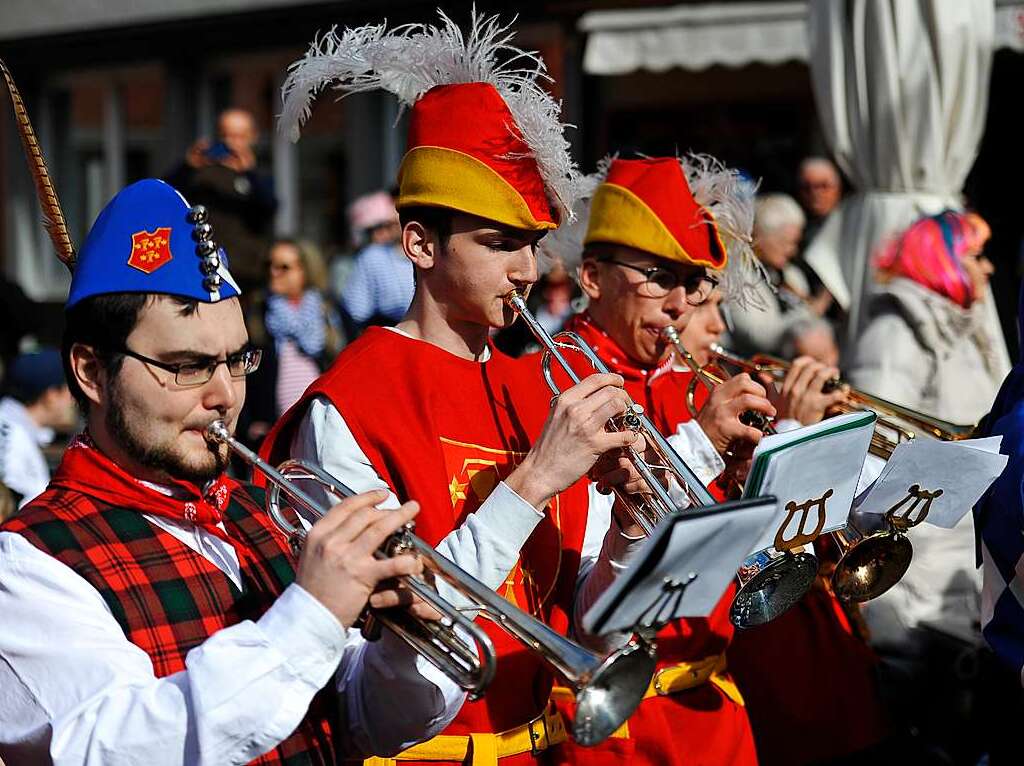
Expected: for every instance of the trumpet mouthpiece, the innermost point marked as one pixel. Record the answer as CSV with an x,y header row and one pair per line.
x,y
516,300
670,334
218,432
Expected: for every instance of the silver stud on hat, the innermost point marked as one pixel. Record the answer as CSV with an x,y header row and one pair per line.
x,y
210,264
206,248
202,232
198,214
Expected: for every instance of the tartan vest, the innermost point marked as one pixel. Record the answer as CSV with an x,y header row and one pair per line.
x,y
168,598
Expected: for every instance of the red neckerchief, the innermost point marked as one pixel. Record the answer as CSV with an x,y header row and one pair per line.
x,y
86,469
611,353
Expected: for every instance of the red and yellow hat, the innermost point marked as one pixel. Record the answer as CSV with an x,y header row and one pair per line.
x,y
484,137
647,204
461,155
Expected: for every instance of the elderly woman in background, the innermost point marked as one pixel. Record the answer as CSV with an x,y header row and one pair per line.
x,y
925,347
297,328
783,321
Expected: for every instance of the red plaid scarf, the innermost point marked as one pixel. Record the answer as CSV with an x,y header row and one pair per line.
x,y
86,469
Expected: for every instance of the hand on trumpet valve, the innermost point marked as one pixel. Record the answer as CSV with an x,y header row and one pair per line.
x,y
339,565
722,416
615,470
808,392
575,435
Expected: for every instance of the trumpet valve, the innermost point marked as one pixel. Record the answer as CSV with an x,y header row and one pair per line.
x,y
631,418
757,420
400,542
833,384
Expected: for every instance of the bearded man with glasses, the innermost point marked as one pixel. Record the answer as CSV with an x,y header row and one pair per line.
x,y
153,614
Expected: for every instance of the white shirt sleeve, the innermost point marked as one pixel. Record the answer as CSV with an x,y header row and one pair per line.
x,y
606,553
488,542
74,690
697,451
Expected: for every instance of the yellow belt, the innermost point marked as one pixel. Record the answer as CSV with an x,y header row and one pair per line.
x,y
539,734
689,675
674,679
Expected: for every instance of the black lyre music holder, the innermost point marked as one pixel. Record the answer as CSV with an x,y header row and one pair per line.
x,y
683,569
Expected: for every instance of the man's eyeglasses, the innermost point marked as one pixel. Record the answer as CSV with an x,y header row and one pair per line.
x,y
660,282
197,373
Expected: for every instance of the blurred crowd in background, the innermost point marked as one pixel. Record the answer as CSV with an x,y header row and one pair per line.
x,y
303,305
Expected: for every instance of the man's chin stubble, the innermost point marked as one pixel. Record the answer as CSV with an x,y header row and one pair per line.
x,y
160,457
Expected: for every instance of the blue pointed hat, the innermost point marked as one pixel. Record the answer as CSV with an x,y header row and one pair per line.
x,y
149,240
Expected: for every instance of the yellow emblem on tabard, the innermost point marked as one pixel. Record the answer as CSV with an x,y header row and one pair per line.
x,y
474,471
150,249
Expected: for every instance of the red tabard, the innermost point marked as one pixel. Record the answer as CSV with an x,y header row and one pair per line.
x,y
443,431
821,653
700,726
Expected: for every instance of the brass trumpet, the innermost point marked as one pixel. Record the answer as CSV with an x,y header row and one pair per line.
x,y
647,511
607,689
770,581
869,563
770,587
902,422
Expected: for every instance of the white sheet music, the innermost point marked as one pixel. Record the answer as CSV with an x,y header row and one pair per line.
x,y
963,470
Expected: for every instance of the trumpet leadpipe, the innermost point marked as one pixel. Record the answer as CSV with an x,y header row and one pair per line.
x,y
646,513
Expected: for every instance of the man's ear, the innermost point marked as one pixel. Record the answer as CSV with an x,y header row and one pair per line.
x,y
89,372
420,245
590,278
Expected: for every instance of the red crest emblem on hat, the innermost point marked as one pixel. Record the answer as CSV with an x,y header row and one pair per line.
x,y
150,249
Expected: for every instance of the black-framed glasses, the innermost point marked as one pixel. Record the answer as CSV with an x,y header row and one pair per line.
x,y
189,374
659,282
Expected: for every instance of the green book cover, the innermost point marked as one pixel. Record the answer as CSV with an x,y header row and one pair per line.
x,y
825,428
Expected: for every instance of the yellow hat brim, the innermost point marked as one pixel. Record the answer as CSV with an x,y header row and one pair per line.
x,y
435,176
618,216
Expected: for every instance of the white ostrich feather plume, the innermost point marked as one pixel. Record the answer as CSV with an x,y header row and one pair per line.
x,y
409,60
565,244
729,197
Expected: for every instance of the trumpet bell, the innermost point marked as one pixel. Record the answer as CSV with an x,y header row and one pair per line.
x,y
770,586
872,566
613,692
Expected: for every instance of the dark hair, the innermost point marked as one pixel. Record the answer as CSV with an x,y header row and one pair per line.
x,y
23,397
104,322
437,219
599,251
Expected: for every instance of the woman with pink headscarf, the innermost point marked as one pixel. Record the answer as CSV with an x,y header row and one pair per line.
x,y
925,345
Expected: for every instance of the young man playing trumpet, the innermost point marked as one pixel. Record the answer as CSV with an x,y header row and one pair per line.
x,y
428,408
658,235
152,612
